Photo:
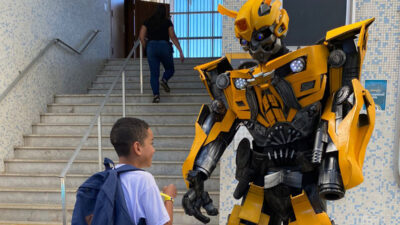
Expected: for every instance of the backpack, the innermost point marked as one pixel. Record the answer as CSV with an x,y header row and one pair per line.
x,y
100,199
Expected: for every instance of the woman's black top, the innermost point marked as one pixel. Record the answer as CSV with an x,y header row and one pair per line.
x,y
158,31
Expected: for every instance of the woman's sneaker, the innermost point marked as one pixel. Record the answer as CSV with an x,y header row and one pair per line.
x,y
156,99
164,84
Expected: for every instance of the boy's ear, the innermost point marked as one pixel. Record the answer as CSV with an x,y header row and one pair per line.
x,y
136,148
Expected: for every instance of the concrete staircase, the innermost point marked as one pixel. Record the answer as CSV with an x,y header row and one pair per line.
x,y
30,187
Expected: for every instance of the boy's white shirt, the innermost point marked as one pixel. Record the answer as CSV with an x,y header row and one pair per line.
x,y
143,198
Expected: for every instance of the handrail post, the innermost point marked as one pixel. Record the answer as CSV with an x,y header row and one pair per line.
x,y
123,94
99,141
64,208
141,68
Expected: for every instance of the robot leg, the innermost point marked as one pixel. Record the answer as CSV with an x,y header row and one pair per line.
x,y
250,210
305,214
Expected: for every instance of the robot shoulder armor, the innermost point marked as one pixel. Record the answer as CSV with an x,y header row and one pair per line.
x,y
348,31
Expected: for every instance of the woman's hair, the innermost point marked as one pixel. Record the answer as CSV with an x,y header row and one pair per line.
x,y
158,17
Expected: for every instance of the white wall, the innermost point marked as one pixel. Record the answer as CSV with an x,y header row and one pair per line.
x,y
26,27
376,200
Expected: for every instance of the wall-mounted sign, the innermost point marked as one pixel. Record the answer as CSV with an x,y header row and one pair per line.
x,y
377,88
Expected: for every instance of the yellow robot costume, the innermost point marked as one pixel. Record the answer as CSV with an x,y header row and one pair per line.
x,y
304,110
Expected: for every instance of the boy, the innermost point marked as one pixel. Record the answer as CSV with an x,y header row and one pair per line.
x,y
133,141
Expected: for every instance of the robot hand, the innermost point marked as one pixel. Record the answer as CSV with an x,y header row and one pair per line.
x,y
196,197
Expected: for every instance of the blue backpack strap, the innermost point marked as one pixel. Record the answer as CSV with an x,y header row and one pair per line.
x,y
127,168
107,163
121,209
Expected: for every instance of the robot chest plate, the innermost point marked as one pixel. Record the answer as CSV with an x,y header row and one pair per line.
x,y
282,95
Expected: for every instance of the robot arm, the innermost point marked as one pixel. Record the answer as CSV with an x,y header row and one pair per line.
x,y
348,132
344,131
341,140
214,132
215,129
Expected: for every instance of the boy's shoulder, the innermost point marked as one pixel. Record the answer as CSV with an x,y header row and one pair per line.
x,y
140,173
139,176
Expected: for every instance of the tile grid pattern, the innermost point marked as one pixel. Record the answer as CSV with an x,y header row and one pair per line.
x,y
375,201
26,27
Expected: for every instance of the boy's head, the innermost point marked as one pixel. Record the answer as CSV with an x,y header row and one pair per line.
x,y
133,140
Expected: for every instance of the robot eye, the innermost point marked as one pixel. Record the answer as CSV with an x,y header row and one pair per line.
x,y
260,36
243,42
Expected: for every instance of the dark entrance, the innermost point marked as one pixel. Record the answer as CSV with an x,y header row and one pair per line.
x,y
136,13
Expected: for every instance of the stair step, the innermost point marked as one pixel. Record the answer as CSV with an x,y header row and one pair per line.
x,y
137,98
35,196
146,85
76,129
72,181
177,61
146,72
147,68
147,91
182,141
53,196
53,213
32,212
177,118
88,153
36,166
130,108
146,78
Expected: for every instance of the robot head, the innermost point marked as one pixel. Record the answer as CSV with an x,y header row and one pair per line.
x,y
259,25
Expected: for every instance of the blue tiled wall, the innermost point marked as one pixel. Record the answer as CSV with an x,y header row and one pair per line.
x,y
377,199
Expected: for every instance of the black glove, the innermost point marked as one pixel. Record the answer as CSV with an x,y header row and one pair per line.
x,y
196,197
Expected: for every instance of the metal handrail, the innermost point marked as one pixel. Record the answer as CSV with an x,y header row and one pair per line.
x,y
97,118
79,52
40,54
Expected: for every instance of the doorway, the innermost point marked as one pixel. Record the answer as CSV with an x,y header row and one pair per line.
x,y
117,29
136,13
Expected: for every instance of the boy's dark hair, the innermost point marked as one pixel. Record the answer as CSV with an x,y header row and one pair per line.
x,y
127,131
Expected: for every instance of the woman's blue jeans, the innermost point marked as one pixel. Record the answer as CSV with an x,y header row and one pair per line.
x,y
159,51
